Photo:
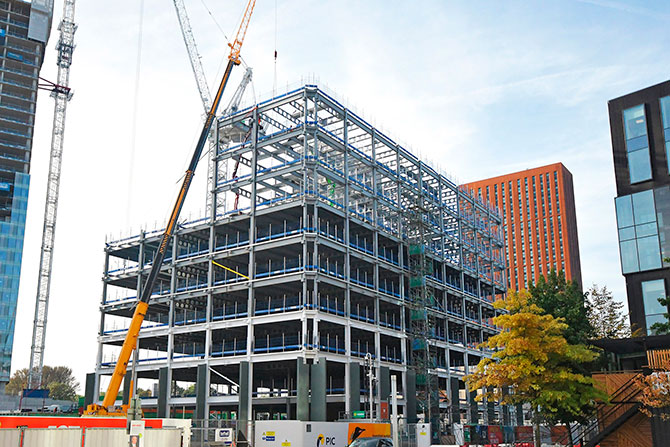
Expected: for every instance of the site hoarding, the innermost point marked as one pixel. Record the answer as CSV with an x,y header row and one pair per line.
x,y
314,434
70,422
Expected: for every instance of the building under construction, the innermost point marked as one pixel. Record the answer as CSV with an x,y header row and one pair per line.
x,y
326,242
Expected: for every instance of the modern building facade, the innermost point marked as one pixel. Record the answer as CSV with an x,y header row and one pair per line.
x,y
640,130
24,30
539,222
268,308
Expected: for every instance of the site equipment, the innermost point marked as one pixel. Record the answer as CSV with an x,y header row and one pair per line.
x,y
143,303
61,92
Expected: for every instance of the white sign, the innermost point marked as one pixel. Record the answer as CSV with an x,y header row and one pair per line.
x,y
136,438
224,435
423,435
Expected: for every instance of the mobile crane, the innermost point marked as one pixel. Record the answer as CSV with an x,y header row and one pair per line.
x,y
130,342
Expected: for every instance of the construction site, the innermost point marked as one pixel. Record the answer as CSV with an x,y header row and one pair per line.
x,y
328,242
335,277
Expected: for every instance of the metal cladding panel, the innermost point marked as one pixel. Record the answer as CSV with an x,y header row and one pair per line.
x,y
38,28
164,437
105,437
52,437
9,437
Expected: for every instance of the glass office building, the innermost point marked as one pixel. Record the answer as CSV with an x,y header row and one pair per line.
x,y
640,127
24,30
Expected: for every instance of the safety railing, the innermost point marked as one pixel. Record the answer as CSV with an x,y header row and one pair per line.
x,y
230,311
185,317
390,320
331,305
281,343
271,305
188,350
227,348
332,344
362,313
361,349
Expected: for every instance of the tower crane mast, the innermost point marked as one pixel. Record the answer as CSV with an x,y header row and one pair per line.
x,y
203,89
60,91
193,54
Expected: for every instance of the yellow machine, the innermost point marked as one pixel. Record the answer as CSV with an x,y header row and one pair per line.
x,y
107,409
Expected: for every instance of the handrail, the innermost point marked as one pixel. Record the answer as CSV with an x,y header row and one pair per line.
x,y
616,396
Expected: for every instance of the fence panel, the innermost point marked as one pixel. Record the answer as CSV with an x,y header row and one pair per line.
x,y
10,437
43,437
105,437
163,437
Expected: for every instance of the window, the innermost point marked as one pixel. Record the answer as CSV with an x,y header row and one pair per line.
x,y
637,144
665,113
638,232
653,310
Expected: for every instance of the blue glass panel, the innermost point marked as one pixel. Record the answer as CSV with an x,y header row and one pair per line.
x,y
639,166
624,211
643,207
649,253
651,292
665,113
648,229
635,122
626,234
641,142
629,263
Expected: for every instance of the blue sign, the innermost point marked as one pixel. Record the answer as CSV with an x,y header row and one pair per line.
x,y
5,186
41,394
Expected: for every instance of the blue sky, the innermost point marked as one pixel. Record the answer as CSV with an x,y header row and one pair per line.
x,y
482,88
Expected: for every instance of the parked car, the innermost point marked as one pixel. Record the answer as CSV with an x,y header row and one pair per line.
x,y
372,442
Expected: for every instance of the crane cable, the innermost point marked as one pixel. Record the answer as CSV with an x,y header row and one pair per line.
x,y
274,85
133,132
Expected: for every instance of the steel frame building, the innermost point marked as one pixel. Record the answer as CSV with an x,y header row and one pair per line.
x,y
270,304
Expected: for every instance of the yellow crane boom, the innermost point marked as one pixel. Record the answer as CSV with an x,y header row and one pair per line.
x,y
143,303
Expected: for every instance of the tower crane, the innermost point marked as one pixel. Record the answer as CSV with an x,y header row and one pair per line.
x,y
203,89
61,92
143,303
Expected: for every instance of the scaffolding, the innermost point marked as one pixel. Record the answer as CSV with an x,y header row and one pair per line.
x,y
312,254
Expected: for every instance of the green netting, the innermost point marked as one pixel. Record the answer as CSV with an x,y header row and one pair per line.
x,y
417,281
420,379
418,344
416,249
417,314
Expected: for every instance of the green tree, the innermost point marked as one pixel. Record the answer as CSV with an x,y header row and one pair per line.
x,y
662,327
62,391
606,314
50,375
143,393
563,299
534,361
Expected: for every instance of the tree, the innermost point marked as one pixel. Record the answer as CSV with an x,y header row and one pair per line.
x,y
534,361
61,391
50,376
662,327
606,314
655,392
143,393
563,299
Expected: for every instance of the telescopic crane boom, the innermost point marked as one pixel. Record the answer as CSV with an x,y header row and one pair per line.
x,y
143,304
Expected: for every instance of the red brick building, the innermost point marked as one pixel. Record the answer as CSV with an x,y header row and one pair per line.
x,y
538,209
